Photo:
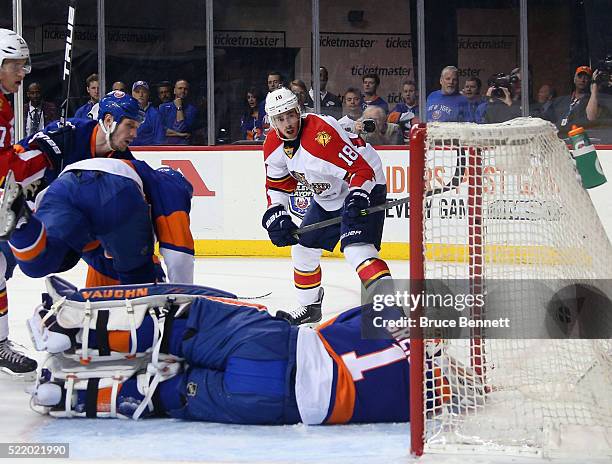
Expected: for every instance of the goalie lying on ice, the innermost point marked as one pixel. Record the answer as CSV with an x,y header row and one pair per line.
x,y
197,353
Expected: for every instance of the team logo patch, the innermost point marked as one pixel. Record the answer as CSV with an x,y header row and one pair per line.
x,y
289,151
316,187
192,389
118,94
323,138
300,200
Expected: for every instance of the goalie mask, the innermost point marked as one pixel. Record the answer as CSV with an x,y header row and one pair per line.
x,y
278,102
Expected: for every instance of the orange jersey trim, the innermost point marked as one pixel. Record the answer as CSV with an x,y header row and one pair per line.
x,y
237,302
33,251
91,246
344,404
174,229
92,141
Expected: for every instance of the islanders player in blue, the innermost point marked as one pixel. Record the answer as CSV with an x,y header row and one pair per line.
x,y
238,364
121,205
119,117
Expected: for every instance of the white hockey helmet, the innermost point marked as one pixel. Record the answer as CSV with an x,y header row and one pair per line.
x,y
280,101
13,47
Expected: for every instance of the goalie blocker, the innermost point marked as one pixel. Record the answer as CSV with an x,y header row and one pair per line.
x,y
197,353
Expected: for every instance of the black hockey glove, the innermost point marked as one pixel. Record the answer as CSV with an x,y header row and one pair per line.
x,y
356,201
48,144
354,224
277,221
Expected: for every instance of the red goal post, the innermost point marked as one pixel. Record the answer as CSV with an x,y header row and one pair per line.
x,y
524,217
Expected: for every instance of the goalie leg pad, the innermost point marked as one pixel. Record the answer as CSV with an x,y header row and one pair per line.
x,y
124,390
100,335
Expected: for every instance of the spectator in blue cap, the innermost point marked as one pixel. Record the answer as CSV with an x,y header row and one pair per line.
x,y
150,131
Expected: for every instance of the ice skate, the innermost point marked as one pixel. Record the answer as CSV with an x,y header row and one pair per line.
x,y
15,363
309,314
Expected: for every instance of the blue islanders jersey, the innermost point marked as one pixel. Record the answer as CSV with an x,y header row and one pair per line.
x,y
370,378
68,144
170,206
447,108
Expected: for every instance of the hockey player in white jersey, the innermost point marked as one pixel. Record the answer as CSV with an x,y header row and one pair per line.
x,y
345,175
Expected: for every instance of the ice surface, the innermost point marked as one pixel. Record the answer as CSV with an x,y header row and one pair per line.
x,y
176,441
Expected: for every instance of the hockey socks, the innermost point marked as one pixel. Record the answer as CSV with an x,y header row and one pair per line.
x,y
305,280
372,270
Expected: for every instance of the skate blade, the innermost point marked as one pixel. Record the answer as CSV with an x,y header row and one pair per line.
x,y
312,325
17,376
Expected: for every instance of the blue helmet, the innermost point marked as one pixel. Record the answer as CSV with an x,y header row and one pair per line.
x,y
120,105
177,178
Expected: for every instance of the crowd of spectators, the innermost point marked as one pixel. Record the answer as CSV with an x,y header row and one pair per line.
x,y
174,119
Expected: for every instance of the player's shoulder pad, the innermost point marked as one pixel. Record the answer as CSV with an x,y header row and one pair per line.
x,y
58,288
271,143
320,134
315,124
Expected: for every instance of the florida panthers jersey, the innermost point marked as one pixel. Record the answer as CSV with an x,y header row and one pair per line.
x,y
170,208
342,377
325,158
27,165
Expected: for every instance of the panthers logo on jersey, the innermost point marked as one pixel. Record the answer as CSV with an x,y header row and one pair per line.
x,y
323,138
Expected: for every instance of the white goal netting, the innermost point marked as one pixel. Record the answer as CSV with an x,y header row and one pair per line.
x,y
504,210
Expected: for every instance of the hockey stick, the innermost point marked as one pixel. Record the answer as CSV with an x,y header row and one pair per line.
x,y
257,297
452,183
66,72
363,212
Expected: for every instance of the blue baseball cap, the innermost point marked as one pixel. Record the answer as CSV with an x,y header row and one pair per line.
x,y
140,84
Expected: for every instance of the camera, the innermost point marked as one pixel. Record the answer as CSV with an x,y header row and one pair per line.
x,y
605,69
500,80
369,125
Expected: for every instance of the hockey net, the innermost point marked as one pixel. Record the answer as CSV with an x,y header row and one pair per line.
x,y
504,201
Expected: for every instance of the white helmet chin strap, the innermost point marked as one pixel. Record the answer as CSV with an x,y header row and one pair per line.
x,y
108,132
